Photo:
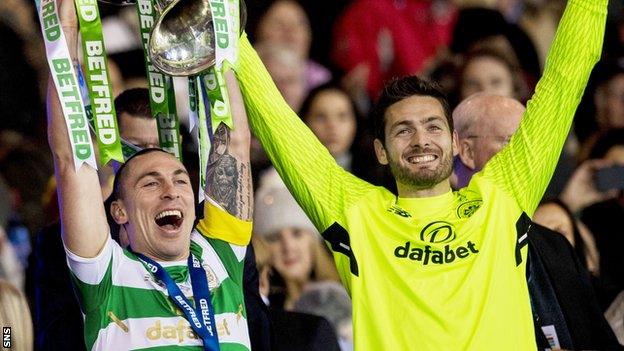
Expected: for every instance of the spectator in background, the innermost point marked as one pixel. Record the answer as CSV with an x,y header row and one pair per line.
x,y
285,23
491,72
298,256
14,313
485,124
557,278
604,218
602,107
375,40
332,116
287,70
609,99
555,215
291,331
331,301
479,28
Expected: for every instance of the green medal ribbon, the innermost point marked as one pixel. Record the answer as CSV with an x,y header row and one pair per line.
x,y
66,83
204,136
220,111
226,23
193,102
162,97
98,81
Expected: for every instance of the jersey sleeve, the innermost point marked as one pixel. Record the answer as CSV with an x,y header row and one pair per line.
x,y
220,224
92,277
321,187
524,168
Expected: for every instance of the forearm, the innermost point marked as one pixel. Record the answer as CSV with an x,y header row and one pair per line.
x,y
85,229
321,187
228,174
527,164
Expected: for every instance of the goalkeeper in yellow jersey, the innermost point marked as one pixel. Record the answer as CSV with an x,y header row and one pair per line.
x,y
431,268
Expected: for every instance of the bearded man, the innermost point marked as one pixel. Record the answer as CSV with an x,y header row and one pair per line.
x,y
430,268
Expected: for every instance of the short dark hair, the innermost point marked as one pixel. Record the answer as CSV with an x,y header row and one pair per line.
x,y
402,88
312,94
134,102
117,188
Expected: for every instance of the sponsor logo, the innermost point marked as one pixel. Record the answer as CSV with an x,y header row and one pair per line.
x,y
467,209
438,232
428,255
180,331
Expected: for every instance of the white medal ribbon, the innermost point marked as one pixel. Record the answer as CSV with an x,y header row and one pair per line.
x,y
66,84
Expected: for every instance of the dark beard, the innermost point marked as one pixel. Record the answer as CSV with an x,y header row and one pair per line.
x,y
423,179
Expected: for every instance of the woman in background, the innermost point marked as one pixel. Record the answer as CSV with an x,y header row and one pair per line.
x,y
15,314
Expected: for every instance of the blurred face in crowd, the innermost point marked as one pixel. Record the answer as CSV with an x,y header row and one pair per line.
x,y
156,206
610,103
288,74
287,24
553,217
419,145
291,253
493,122
140,131
332,119
487,74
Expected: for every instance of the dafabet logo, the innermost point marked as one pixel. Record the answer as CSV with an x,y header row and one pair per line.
x,y
436,233
180,331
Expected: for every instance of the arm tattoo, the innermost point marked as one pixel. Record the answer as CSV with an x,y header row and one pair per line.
x,y
227,179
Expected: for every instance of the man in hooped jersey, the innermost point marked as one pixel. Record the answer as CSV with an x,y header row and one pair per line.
x,y
431,268
176,286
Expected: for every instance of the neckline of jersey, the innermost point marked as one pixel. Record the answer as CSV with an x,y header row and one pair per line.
x,y
422,205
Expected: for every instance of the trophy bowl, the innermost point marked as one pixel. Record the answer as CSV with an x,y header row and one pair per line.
x,y
182,42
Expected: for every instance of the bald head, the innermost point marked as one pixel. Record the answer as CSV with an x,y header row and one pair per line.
x,y
485,123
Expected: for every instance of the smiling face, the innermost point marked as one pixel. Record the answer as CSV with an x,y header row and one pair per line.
x,y
419,146
156,206
291,253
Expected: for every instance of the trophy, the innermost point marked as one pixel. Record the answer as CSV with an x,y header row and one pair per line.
x,y
182,42
193,38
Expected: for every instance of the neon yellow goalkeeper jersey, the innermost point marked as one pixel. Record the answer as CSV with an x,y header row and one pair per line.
x,y
445,272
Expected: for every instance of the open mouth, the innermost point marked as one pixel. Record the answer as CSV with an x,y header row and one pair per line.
x,y
169,219
418,159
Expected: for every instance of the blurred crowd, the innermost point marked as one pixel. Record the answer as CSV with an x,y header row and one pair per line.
x,y
330,59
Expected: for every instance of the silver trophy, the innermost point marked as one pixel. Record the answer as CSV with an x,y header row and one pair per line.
x,y
182,42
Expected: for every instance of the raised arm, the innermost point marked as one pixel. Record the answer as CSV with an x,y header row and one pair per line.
x,y
323,189
526,165
84,225
228,209
228,176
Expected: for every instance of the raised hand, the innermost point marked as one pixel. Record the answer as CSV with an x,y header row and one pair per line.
x,y
581,191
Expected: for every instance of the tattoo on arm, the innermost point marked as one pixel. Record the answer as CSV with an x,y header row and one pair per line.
x,y
228,180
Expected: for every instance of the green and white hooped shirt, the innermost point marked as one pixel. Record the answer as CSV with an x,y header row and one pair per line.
x,y
125,308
